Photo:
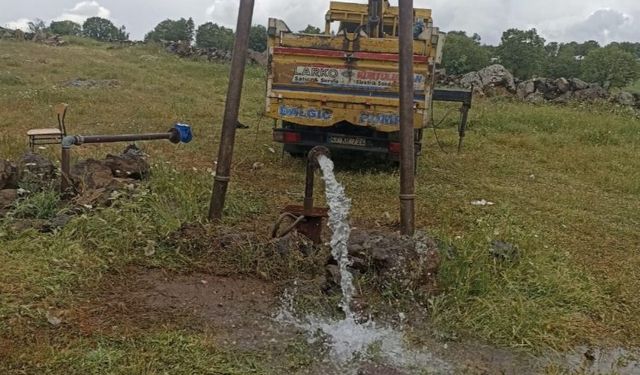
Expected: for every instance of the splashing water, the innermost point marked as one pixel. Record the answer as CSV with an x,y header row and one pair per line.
x,y
347,338
339,206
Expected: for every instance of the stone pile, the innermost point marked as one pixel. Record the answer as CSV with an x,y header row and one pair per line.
x,y
186,50
496,80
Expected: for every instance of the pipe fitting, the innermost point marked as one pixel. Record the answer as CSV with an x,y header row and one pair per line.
x,y
315,153
69,140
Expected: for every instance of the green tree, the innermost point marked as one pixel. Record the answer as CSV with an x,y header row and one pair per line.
x,y
560,61
463,54
611,66
37,26
172,30
211,35
103,30
310,29
65,28
258,38
522,52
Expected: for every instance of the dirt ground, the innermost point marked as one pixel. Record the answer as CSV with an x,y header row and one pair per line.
x,y
239,313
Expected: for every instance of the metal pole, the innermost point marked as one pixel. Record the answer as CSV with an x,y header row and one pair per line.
x,y
232,107
407,152
65,167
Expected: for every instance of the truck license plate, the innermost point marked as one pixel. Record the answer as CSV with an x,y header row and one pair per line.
x,y
348,141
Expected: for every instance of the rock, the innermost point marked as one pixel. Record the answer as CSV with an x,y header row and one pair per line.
x,y
624,98
470,80
525,89
563,85
36,169
260,58
497,76
91,174
591,94
564,98
8,197
578,84
535,98
128,165
8,175
504,251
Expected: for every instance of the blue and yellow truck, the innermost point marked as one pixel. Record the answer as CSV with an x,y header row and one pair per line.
x,y
340,88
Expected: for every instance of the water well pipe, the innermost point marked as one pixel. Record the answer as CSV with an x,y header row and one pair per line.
x,y
180,133
407,145
232,108
313,164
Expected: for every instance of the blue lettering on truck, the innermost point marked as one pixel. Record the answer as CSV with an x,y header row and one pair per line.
x,y
310,113
379,118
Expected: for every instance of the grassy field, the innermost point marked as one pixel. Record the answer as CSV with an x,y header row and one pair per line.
x,y
635,87
565,182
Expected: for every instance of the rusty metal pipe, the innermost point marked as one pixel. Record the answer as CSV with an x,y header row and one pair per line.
x,y
407,145
65,167
312,165
232,108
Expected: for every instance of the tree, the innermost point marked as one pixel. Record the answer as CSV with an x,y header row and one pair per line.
x,y
65,28
37,26
561,61
210,35
311,30
611,66
172,30
522,52
103,30
258,38
463,54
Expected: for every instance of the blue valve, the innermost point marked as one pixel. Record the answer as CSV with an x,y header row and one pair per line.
x,y
184,131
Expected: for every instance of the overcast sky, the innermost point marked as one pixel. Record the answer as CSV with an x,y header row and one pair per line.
x,y
556,20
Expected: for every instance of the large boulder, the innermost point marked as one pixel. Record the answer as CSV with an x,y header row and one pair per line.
x,y
497,76
8,175
260,58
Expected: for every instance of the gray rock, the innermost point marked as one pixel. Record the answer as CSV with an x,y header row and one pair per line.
x,y
564,98
525,89
470,80
563,85
504,251
591,94
535,98
333,274
36,168
624,98
578,84
497,76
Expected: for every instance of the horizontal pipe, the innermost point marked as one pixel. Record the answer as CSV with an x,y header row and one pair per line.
x,y
123,138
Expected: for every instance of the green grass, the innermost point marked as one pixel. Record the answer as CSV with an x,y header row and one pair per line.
x,y
634,87
565,180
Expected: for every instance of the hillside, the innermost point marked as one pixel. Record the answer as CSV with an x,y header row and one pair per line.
x,y
565,181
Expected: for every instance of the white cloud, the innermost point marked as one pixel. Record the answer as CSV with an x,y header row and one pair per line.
x,y
83,10
19,24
